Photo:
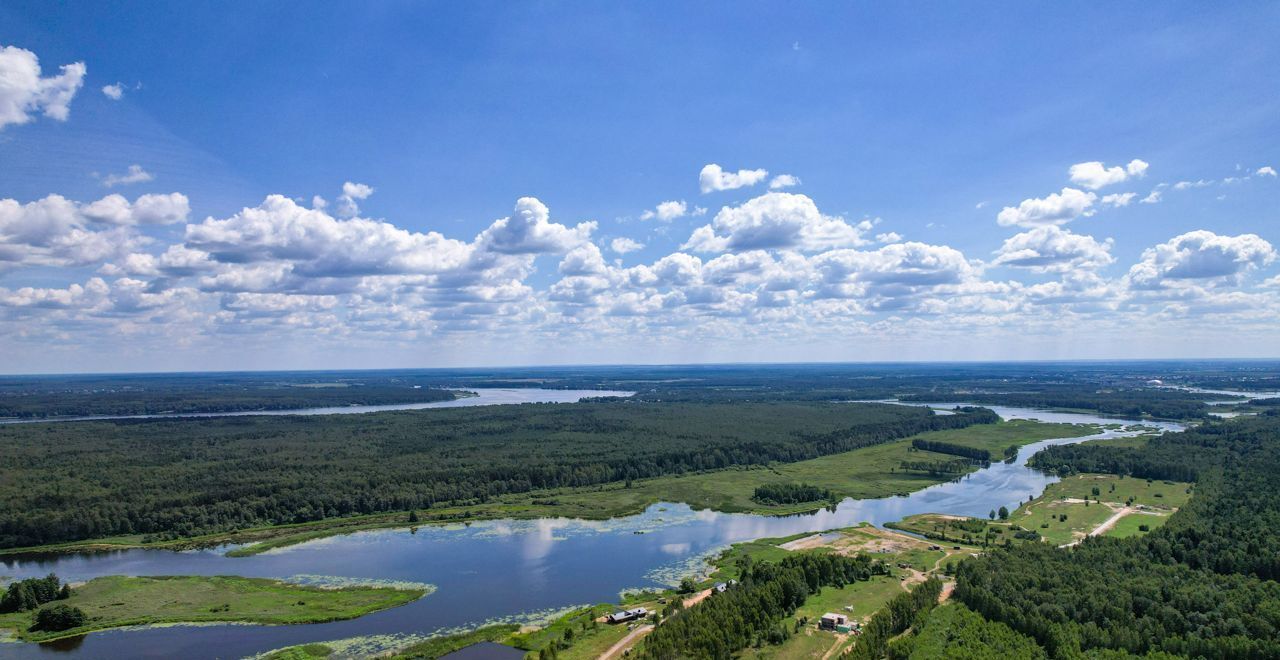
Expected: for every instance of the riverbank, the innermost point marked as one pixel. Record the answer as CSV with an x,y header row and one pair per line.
x,y
119,601
870,472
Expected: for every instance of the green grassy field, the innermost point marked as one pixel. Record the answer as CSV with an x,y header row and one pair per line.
x,y
115,601
1081,519
1130,525
864,597
1160,494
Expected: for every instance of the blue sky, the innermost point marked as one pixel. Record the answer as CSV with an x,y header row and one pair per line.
x,y
504,150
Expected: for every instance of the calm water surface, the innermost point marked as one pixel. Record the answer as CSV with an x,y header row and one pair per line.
x,y
508,568
484,396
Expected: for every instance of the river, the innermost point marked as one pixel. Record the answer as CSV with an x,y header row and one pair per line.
x,y
484,396
505,568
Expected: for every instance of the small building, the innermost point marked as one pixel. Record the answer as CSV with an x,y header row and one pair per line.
x,y
628,615
721,587
833,621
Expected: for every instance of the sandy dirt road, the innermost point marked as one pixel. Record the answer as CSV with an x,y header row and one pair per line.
x,y
625,643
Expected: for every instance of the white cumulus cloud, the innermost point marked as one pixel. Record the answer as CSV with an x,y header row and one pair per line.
x,y
714,178
783,181
775,221
1056,209
56,231
24,92
667,211
352,193
530,231
114,91
1052,248
1094,175
1266,170
1201,256
135,174
1118,199
145,210
625,245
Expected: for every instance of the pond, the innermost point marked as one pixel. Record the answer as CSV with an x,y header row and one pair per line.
x,y
510,569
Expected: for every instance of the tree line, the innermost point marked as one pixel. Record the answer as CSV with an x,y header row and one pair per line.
x,y
180,477
942,447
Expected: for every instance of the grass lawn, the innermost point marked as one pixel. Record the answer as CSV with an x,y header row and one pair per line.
x,y
864,597
115,601
1130,524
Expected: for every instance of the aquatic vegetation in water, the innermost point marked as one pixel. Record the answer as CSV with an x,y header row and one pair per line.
x,y
697,566
341,582
367,646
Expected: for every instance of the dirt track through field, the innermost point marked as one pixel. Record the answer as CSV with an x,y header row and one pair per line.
x,y
626,642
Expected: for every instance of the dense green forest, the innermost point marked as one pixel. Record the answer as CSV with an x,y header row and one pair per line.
x,y
752,611
1113,388
82,480
1203,585
149,395
955,632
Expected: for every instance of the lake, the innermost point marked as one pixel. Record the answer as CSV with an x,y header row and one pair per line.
x,y
509,569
